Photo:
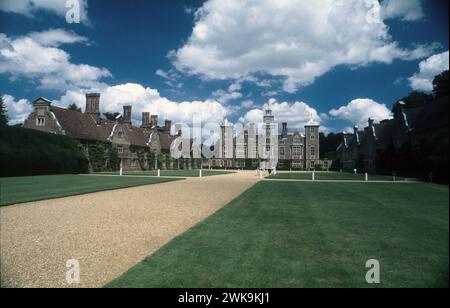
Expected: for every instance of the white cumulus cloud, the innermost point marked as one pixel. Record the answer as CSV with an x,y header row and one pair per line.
x,y
27,57
428,69
17,111
145,99
298,40
224,97
296,114
409,10
56,37
358,111
247,104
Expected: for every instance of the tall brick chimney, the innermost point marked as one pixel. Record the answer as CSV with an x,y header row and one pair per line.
x,y
92,104
154,120
145,119
127,114
168,125
284,132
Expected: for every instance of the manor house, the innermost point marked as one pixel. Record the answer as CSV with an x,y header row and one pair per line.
x,y
89,127
295,151
267,148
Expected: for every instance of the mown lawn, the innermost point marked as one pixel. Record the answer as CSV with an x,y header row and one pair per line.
x,y
31,188
288,234
334,176
180,173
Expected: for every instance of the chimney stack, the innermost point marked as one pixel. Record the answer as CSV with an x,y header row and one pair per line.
x,y
168,125
93,104
127,114
154,120
403,116
284,132
355,130
145,119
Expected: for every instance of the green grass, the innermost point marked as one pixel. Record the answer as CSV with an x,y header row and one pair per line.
x,y
180,173
31,188
288,234
334,176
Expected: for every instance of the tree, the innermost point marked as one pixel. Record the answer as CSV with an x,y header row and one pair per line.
x,y
113,159
74,107
329,143
97,156
150,155
415,99
159,160
440,84
168,161
3,113
111,116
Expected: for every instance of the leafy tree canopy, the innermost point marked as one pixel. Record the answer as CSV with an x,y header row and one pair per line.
x,y
329,143
415,99
111,116
440,84
74,107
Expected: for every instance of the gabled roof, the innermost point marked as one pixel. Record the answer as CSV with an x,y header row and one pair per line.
x,y
166,140
138,136
89,127
42,99
83,126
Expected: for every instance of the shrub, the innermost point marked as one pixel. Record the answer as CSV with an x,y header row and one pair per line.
x,y
97,156
30,152
113,159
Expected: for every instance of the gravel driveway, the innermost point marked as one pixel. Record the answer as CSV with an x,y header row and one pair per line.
x,y
107,232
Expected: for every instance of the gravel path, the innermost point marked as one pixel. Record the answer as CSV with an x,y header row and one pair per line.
x,y
107,232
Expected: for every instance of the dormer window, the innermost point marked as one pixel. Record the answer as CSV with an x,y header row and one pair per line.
x,y
120,149
40,121
120,134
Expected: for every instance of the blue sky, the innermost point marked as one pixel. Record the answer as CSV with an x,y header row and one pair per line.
x,y
224,59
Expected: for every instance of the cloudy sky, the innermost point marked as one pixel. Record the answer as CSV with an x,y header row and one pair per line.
x,y
331,62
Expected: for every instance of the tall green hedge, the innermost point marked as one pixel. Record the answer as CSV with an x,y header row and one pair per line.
x,y
30,152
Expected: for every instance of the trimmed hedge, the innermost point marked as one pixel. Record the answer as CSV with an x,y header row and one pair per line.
x,y
30,152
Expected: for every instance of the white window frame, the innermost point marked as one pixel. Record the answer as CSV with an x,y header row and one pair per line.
x,y
297,152
40,121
